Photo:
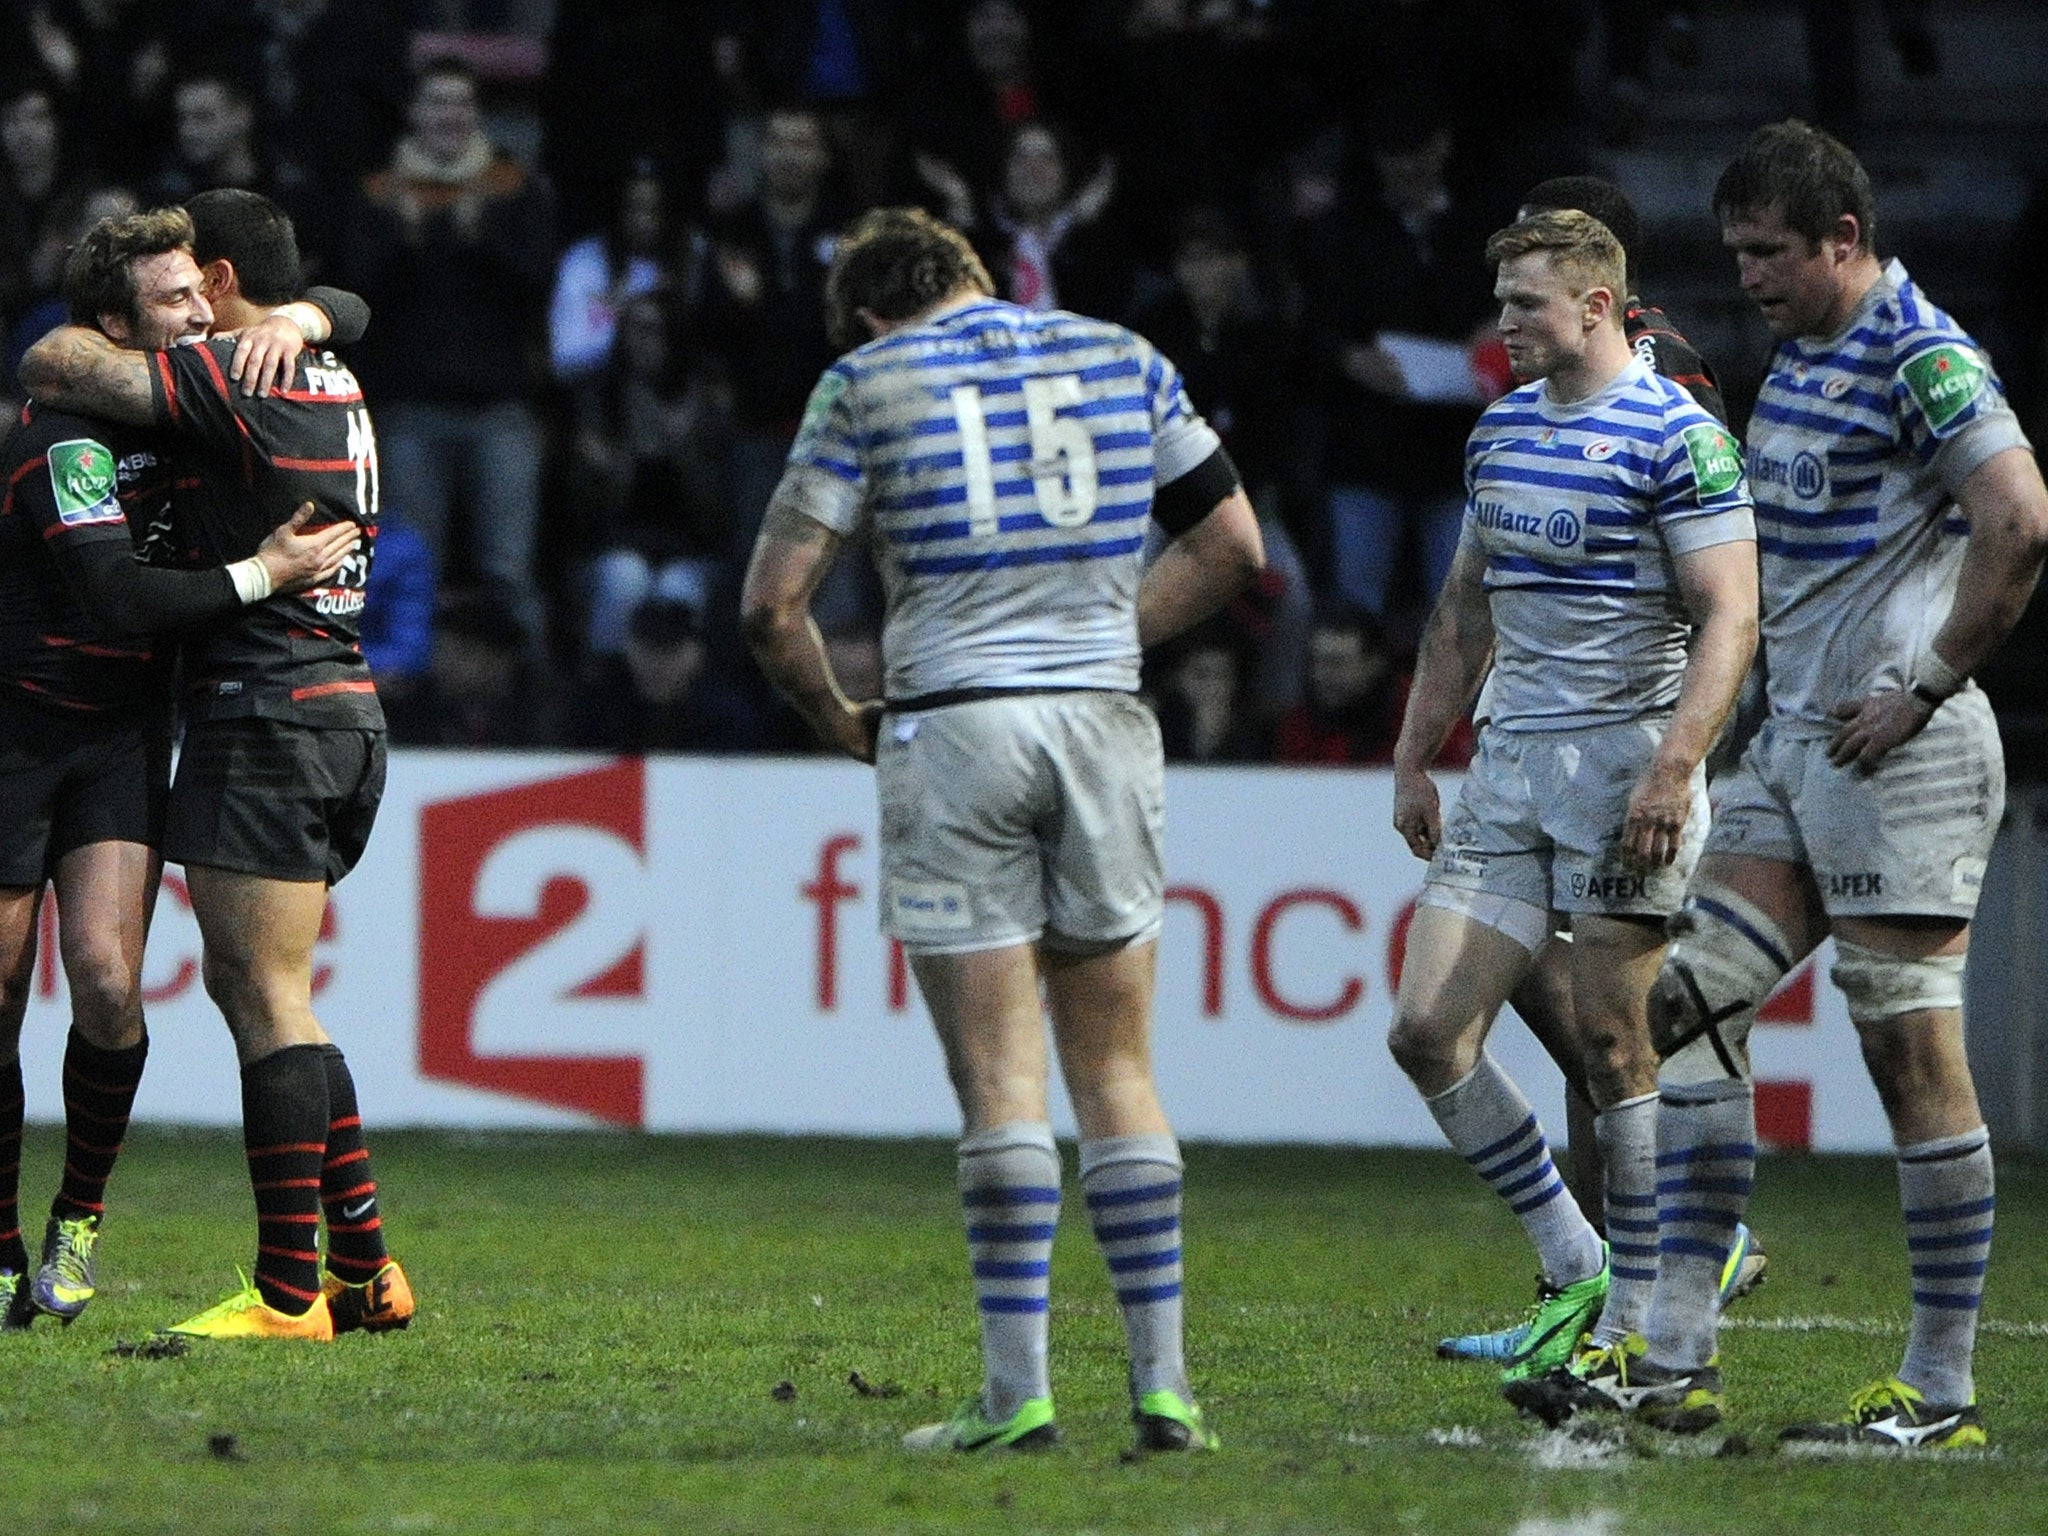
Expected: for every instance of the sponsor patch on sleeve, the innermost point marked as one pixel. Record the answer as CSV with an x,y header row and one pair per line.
x,y
824,395
1944,382
82,479
1716,460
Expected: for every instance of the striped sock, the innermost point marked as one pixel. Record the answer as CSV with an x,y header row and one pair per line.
x,y
99,1093
1706,1162
1010,1195
1945,1188
284,1129
13,1105
1491,1126
1628,1143
348,1190
1132,1186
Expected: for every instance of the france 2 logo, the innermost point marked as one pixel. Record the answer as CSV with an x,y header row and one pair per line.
x,y
531,910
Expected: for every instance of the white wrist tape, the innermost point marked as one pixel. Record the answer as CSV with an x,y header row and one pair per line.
x,y
251,578
1934,676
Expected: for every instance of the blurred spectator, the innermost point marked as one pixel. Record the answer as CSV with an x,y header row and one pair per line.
x,y
1046,241
37,171
483,687
214,145
453,245
1351,714
1206,712
657,695
645,481
962,110
110,61
397,630
633,255
76,209
1399,293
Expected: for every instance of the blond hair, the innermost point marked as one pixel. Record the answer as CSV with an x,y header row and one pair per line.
x,y
1581,248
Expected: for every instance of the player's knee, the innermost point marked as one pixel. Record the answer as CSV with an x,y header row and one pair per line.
x,y
106,995
1726,955
1423,1048
1878,986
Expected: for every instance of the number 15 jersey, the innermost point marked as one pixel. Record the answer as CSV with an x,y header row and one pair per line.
x,y
1001,465
241,466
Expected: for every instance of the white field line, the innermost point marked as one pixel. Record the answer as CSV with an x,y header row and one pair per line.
x,y
1873,1326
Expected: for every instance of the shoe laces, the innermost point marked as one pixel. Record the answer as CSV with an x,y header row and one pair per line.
x,y
1881,1398
248,1296
73,1257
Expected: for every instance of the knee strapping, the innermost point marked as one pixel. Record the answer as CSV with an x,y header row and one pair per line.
x,y
1725,957
1878,986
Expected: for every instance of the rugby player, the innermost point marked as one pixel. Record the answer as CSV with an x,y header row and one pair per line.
x,y
283,758
1002,465
85,712
1902,523
1607,572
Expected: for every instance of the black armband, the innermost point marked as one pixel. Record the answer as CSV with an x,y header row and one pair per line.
x,y
1180,504
348,314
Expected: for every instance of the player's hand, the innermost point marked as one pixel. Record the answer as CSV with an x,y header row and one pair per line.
x,y
1875,724
1655,825
266,355
298,557
854,729
1418,816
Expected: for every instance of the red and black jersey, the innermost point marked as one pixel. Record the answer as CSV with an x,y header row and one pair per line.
x,y
72,486
1657,342
244,464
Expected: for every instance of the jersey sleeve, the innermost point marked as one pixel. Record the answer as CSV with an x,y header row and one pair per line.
x,y
72,494
1702,494
1950,407
1181,439
826,477
193,396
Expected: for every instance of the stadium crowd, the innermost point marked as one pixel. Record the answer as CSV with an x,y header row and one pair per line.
x,y
595,256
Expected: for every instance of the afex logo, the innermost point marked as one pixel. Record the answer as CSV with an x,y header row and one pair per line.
x,y
529,900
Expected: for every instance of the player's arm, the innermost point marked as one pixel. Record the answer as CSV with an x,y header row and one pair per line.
x,y
75,368
1718,585
1457,646
124,596
267,353
1216,549
2007,506
791,557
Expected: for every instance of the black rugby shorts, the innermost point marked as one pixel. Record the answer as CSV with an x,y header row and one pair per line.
x,y
275,798
69,781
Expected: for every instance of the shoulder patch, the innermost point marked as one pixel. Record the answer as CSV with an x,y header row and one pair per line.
x,y
1944,381
817,411
1716,460
82,480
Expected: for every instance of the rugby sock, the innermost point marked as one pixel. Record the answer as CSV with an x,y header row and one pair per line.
x,y
1491,1126
1628,1142
284,1129
1132,1186
99,1093
1945,1188
348,1191
1010,1195
1706,1162
13,1105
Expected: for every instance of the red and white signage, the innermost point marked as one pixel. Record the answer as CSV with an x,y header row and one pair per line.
x,y
691,944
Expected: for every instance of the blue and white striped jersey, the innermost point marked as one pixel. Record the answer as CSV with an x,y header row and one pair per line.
x,y
1001,465
1580,509
1856,448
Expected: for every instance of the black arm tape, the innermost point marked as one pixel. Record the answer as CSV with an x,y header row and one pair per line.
x,y
1180,504
348,315
127,597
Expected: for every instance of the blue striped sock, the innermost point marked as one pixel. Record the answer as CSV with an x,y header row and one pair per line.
x,y
1628,1145
1706,1162
1132,1185
1010,1196
1491,1126
1945,1187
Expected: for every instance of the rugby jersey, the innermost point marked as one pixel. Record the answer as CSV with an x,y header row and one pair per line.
x,y
1857,445
1580,509
1001,466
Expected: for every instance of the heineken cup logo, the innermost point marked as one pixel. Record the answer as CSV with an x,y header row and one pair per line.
x,y
1944,381
1716,460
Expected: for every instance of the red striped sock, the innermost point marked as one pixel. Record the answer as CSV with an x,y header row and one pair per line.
x,y
284,1129
348,1190
99,1093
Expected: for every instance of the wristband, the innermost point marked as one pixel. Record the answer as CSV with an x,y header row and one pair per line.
x,y
1933,680
251,578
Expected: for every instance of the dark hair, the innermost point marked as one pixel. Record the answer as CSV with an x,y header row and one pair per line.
x,y
1599,197
251,231
895,263
99,274
1808,176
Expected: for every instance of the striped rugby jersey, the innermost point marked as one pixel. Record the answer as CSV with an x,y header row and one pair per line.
x,y
1001,465
1856,448
1580,509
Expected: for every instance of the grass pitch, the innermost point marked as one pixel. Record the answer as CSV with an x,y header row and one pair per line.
x,y
653,1334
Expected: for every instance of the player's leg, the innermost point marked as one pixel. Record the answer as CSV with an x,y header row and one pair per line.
x,y
1542,999
19,908
1903,980
985,1007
